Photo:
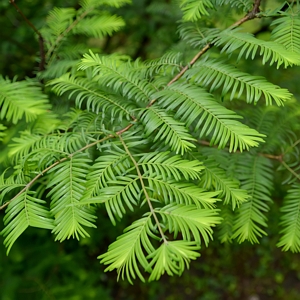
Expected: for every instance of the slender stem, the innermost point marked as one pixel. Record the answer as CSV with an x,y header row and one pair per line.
x,y
295,143
126,128
275,157
195,58
41,39
144,189
205,143
290,170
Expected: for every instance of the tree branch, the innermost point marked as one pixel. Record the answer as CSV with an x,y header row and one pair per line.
x,y
41,39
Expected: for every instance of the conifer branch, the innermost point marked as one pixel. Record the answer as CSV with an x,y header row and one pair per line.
x,y
195,58
249,16
144,189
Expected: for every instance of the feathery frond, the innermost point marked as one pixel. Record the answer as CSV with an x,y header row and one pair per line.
x,y
165,128
271,52
244,5
119,76
169,63
172,257
287,32
170,166
2,132
196,35
256,175
23,145
99,26
66,189
171,191
105,169
58,21
214,176
24,211
89,4
123,190
290,221
188,219
59,68
129,250
7,184
131,137
215,74
195,9
274,122
225,228
196,107
56,144
21,98
90,96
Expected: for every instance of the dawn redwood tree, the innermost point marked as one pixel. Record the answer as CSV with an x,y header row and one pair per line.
x,y
191,143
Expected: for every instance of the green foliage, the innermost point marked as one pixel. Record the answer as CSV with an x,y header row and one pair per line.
x,y
286,32
290,221
209,117
214,74
233,39
178,152
21,99
128,250
229,188
2,134
194,10
26,211
67,185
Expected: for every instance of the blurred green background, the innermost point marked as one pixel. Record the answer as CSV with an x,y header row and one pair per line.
x,y
39,268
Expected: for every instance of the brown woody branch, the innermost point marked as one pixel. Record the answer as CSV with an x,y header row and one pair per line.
x,y
41,39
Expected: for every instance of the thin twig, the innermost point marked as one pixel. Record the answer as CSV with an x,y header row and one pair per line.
x,y
144,190
41,39
290,170
195,58
275,157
